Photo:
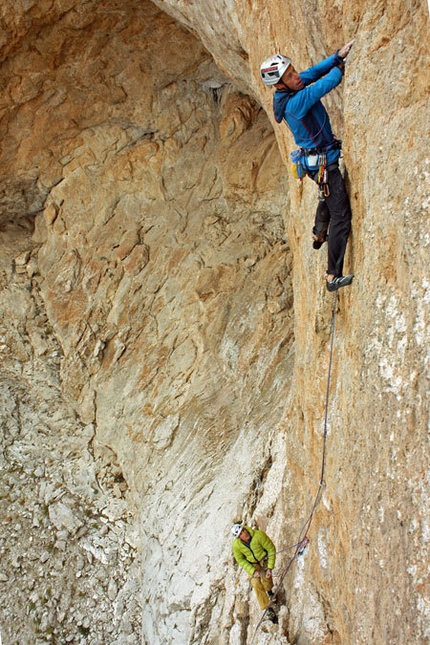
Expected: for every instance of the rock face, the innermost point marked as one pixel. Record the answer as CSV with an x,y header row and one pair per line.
x,y
165,334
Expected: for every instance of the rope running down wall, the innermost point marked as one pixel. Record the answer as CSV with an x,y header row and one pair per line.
x,y
303,539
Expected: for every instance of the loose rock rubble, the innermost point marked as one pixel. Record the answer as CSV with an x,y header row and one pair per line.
x,y
69,571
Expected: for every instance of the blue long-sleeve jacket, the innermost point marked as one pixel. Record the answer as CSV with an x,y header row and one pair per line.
x,y
303,111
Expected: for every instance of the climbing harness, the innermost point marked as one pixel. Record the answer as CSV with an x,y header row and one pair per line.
x,y
305,158
303,540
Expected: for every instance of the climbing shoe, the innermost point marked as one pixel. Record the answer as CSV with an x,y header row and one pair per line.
x,y
339,281
272,598
318,242
319,231
270,615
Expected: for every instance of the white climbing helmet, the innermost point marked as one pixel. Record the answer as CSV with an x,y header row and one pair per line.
x,y
237,528
272,68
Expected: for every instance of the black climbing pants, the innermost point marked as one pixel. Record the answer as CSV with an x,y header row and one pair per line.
x,y
334,213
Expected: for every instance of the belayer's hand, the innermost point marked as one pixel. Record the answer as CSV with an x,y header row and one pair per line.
x,y
344,51
268,573
256,574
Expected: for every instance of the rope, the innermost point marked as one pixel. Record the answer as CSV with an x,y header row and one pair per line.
x,y
287,548
303,540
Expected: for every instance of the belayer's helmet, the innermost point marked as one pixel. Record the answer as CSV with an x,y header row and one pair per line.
x,y
272,68
236,529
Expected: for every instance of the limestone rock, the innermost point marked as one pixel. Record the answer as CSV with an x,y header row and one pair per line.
x,y
165,335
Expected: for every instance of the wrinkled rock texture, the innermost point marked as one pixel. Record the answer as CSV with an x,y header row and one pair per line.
x,y
165,331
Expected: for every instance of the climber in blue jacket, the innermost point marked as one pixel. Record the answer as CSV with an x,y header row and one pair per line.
x,y
297,100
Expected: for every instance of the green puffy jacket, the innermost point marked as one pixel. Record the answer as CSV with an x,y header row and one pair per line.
x,y
260,547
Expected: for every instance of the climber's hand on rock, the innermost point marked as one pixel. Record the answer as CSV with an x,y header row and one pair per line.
x,y
344,51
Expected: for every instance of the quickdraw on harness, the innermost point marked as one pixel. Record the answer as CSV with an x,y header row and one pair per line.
x,y
322,179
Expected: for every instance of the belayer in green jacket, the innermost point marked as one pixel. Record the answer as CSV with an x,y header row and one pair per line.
x,y
256,553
